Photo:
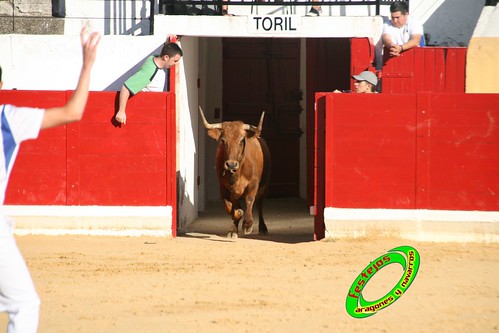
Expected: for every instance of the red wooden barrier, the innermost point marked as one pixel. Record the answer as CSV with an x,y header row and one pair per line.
x,y
435,69
362,54
408,151
93,162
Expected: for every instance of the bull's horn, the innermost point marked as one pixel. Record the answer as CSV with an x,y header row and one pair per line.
x,y
253,128
206,123
260,124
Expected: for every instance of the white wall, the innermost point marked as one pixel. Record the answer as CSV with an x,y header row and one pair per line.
x,y
187,132
210,58
53,62
449,22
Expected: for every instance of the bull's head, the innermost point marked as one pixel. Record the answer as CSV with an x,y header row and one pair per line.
x,y
232,136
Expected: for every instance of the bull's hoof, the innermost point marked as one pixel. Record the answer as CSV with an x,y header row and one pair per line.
x,y
238,213
248,231
232,234
263,232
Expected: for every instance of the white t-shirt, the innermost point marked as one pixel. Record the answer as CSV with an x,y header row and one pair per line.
x,y
402,35
18,124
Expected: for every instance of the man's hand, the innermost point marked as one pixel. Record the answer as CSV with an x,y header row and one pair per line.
x,y
121,117
172,38
396,50
89,46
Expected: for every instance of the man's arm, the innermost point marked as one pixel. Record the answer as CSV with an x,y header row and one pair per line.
x,y
387,40
413,42
123,100
74,108
134,85
396,50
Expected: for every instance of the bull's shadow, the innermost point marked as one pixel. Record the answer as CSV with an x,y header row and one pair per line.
x,y
288,221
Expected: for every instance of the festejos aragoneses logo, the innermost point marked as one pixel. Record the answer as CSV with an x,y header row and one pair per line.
x,y
406,256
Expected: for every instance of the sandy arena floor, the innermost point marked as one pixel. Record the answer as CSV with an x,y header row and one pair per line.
x,y
203,282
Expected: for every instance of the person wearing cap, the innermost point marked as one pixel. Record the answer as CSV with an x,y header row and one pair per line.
x,y
401,32
365,83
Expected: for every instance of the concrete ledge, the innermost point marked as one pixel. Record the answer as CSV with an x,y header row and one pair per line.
x,y
31,25
418,225
91,220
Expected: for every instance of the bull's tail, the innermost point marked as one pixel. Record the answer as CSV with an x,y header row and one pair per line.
x,y
267,167
263,188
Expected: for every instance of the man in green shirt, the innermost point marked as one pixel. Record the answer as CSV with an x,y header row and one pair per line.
x,y
150,77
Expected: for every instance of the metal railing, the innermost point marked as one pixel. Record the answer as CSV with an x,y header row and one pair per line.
x,y
168,6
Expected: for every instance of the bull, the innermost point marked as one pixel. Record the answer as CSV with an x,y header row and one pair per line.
x,y
243,169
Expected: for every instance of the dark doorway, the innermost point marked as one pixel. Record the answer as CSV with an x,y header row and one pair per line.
x,y
263,74
328,68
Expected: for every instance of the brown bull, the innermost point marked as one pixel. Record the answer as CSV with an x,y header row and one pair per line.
x,y
243,171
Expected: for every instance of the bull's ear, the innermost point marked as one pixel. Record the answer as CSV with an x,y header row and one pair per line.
x,y
251,134
214,133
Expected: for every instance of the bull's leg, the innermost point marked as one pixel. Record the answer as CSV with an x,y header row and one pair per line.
x,y
262,228
248,217
236,213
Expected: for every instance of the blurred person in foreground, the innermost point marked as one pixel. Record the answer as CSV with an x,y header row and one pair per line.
x,y
18,296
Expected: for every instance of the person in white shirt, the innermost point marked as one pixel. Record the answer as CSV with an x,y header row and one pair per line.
x,y
18,296
402,32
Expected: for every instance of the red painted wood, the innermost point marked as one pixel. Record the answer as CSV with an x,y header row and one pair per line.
x,y
409,151
47,153
362,56
460,69
171,160
422,152
320,180
464,152
92,162
41,166
426,78
367,164
435,69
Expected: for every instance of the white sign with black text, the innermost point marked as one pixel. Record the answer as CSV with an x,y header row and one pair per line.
x,y
286,24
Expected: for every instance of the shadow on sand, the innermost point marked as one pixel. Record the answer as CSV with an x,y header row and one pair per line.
x,y
288,221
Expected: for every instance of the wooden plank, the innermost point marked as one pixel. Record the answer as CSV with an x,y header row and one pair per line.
x,y
370,151
321,180
464,143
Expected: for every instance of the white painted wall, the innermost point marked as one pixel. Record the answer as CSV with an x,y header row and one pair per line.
x,y
448,22
53,62
187,132
210,76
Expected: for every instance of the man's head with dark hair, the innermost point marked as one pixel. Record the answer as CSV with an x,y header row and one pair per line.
x,y
1,83
399,6
399,12
171,50
170,55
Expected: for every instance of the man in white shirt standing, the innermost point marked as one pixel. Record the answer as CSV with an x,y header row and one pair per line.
x,y
18,296
402,32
